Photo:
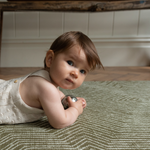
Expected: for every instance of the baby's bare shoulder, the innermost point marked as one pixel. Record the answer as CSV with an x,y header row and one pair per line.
x,y
40,83
45,89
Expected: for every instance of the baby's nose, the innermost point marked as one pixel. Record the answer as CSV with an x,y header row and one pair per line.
x,y
74,74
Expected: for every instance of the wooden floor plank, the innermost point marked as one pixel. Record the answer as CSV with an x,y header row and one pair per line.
x,y
109,74
120,74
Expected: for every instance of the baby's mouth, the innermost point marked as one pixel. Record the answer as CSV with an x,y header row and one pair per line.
x,y
69,80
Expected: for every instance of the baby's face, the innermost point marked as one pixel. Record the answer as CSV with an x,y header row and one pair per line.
x,y
69,69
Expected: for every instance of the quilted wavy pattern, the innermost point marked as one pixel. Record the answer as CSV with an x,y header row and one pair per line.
x,y
117,117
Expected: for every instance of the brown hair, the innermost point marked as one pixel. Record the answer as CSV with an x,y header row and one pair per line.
x,y
69,39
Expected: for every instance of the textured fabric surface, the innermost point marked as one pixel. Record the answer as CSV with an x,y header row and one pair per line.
x,y
117,117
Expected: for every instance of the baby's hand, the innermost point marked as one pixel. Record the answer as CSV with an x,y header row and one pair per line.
x,y
83,101
78,104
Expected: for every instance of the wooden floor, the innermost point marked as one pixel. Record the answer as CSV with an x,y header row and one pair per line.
x,y
109,74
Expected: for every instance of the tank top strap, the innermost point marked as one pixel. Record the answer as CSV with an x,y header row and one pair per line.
x,y
42,73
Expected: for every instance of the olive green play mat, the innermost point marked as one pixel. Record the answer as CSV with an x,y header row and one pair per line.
x,y
117,117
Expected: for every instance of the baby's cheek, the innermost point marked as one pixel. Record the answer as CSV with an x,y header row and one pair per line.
x,y
80,82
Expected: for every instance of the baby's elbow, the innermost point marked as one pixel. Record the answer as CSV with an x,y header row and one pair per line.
x,y
59,125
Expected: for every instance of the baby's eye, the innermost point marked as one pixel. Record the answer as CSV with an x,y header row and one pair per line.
x,y
70,62
83,71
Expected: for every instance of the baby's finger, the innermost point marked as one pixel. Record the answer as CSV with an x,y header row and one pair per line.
x,y
84,103
69,100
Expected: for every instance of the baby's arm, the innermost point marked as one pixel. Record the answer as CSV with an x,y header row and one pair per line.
x,y
51,103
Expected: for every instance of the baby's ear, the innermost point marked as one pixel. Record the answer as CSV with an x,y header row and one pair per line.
x,y
49,58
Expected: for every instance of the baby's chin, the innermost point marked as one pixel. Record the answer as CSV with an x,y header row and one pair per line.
x,y
68,87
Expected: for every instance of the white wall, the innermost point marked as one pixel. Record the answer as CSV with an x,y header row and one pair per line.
x,y
122,38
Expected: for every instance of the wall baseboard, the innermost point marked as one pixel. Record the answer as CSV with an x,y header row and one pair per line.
x,y
129,41
120,51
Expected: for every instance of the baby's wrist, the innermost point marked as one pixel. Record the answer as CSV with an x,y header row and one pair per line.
x,y
76,110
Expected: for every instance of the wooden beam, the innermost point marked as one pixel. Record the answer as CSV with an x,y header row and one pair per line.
x,y
79,6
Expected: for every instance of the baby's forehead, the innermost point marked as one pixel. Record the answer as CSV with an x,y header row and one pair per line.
x,y
76,52
79,56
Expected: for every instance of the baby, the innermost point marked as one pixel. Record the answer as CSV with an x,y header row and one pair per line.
x,y
71,56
